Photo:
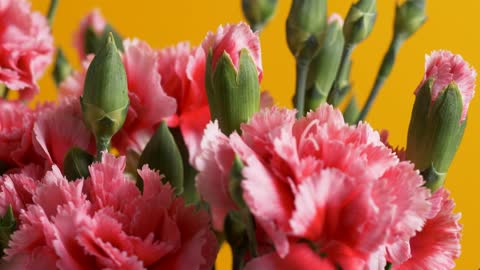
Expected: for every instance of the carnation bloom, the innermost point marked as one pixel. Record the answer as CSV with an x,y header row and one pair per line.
x,y
26,46
301,256
149,104
182,71
437,245
319,179
444,68
232,39
104,222
94,21
16,125
59,128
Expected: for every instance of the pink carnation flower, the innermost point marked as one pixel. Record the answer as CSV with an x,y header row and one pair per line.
x,y
437,245
95,21
149,104
301,256
59,128
319,179
16,125
182,70
232,39
444,68
104,222
26,46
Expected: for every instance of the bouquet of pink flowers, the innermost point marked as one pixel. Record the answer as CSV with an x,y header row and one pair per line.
x,y
152,158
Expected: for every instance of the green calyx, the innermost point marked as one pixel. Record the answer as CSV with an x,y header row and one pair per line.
x,y
161,153
258,12
359,21
324,66
233,95
105,96
436,131
307,19
409,17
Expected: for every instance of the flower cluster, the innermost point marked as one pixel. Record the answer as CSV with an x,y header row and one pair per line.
x,y
151,157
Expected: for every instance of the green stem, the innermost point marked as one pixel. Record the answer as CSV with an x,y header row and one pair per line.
x,y
102,146
334,95
388,266
4,91
302,66
383,73
252,239
238,259
52,9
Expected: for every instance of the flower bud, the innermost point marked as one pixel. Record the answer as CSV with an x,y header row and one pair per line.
x,y
306,21
409,17
234,69
258,12
323,68
105,95
360,20
62,68
439,115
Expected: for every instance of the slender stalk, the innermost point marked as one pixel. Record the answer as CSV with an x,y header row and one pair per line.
x,y
103,145
4,91
52,9
334,95
383,73
238,259
252,239
302,66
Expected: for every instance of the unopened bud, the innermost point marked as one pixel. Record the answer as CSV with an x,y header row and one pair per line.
x,y
360,20
409,17
105,95
258,12
306,21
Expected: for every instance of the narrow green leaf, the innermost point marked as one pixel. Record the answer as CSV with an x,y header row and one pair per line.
x,y
351,111
76,163
8,225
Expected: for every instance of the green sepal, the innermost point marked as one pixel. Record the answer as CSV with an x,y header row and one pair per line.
x,y
417,131
62,68
109,29
446,127
306,19
162,154
105,96
435,133
234,185
434,180
76,163
351,111
258,12
324,66
234,96
8,225
359,21
190,194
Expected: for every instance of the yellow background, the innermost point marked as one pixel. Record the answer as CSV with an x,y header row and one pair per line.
x,y
452,25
